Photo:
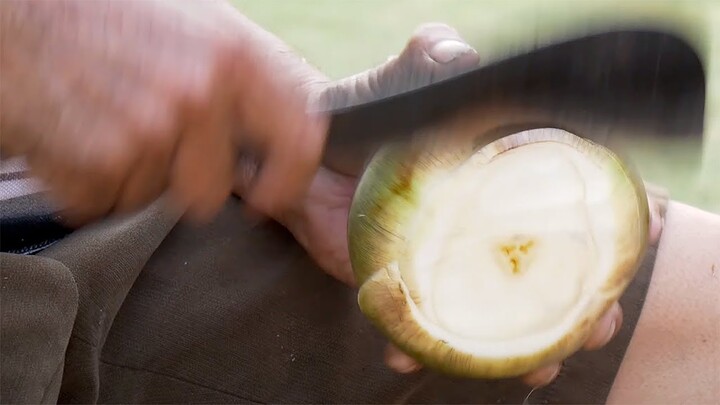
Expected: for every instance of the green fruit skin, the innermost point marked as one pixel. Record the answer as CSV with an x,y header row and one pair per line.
x,y
385,200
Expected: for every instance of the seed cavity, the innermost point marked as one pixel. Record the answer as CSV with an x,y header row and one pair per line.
x,y
516,253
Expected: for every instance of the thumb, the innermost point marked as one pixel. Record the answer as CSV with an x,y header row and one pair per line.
x,y
434,52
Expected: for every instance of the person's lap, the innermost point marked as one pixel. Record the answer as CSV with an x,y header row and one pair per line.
x,y
237,312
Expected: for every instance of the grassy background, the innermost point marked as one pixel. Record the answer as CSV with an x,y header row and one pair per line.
x,y
344,37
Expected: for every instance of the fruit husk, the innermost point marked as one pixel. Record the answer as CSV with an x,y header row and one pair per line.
x,y
385,202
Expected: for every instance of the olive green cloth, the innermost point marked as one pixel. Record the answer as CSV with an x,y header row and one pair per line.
x,y
165,312
38,304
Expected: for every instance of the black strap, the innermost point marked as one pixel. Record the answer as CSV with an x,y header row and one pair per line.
x,y
28,222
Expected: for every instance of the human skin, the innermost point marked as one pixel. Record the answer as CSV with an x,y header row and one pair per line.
x,y
116,103
674,355
149,150
319,220
683,287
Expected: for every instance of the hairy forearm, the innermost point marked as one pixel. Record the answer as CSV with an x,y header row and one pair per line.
x,y
674,356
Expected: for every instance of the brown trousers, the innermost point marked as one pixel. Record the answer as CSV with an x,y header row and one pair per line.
x,y
152,310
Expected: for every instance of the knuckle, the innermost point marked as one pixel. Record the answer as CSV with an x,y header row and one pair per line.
x,y
426,33
415,44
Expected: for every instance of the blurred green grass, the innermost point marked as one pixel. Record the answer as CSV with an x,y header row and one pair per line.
x,y
344,37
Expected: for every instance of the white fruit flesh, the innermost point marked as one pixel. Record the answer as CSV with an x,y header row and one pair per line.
x,y
505,252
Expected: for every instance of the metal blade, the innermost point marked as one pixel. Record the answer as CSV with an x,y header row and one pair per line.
x,y
630,72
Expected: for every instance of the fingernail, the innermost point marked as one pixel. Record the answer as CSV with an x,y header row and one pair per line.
x,y
448,50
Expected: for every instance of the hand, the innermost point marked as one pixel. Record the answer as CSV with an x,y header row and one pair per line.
x,y
117,103
319,221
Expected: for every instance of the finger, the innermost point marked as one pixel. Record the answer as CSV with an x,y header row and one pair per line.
x,y
153,127
274,118
400,362
542,376
85,179
658,198
434,52
147,181
444,46
246,171
656,221
341,270
61,193
292,160
605,329
203,169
